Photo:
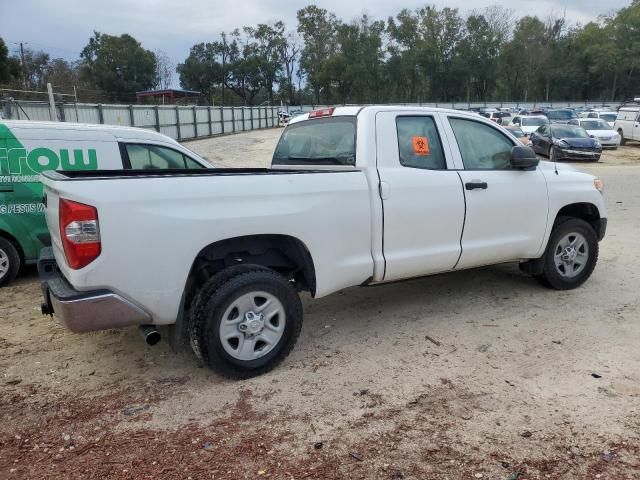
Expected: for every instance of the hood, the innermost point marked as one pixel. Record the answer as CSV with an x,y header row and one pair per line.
x,y
602,133
578,142
548,166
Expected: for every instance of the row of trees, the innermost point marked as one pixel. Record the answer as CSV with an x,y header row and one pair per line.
x,y
110,68
421,55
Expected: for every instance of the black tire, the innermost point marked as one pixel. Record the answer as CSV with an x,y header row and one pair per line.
x,y
550,276
10,259
551,154
217,295
622,140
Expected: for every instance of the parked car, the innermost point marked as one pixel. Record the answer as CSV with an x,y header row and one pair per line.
x,y
598,128
502,118
561,115
519,134
29,148
530,123
627,123
222,254
565,142
609,117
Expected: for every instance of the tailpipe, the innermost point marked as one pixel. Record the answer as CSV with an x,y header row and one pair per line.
x,y
151,334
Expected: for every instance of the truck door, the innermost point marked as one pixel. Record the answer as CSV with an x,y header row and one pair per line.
x,y
635,135
423,202
507,209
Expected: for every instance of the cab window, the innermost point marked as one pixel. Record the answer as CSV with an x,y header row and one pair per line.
x,y
419,145
147,157
482,147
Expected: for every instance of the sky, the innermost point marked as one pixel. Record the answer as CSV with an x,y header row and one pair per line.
x,y
63,27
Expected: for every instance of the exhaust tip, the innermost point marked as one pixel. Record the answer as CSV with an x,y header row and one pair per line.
x,y
151,334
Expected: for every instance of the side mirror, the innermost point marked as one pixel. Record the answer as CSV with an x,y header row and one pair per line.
x,y
523,157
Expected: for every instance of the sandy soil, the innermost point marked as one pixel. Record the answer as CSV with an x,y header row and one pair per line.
x,y
475,374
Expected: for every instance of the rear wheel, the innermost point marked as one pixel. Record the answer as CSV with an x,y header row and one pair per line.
x,y
9,262
571,255
622,140
245,322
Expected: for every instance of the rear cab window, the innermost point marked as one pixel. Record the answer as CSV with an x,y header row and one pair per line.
x,y
320,141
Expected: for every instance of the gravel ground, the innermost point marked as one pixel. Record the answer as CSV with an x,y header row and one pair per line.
x,y
474,374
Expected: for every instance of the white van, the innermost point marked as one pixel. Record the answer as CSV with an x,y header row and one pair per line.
x,y
29,148
628,124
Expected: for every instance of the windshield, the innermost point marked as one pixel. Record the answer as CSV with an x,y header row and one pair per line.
x,y
595,125
609,117
568,131
561,114
534,122
323,141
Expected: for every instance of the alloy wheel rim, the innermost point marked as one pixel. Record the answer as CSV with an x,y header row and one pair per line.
x,y
4,263
571,255
252,325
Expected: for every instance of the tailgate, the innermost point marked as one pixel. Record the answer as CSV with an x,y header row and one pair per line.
x,y
51,201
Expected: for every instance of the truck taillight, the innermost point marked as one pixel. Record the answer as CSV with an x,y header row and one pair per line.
x,y
80,233
324,112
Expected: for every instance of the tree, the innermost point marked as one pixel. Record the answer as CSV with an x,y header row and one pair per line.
x,y
318,30
61,73
10,70
120,66
266,42
289,50
165,69
35,64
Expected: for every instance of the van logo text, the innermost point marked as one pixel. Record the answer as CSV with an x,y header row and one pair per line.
x,y
17,161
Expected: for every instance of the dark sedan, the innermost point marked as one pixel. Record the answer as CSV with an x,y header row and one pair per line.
x,y
565,142
561,115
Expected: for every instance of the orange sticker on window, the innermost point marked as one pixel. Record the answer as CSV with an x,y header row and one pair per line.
x,y
420,145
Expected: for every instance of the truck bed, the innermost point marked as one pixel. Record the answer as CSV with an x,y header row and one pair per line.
x,y
67,175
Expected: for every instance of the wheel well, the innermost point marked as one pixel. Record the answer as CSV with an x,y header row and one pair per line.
x,y
282,253
586,211
14,241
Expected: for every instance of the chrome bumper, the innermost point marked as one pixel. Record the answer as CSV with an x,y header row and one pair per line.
x,y
84,311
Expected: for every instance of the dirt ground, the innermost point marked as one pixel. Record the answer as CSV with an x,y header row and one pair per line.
x,y
474,374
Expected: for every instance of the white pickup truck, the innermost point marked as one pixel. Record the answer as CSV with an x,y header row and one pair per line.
x,y
355,196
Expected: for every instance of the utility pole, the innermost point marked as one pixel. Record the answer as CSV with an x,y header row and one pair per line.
x,y
52,104
24,67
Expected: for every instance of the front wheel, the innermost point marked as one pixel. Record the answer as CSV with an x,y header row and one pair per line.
x,y
552,154
246,322
571,255
9,262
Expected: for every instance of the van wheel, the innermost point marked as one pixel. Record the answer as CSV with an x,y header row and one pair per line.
x,y
622,140
9,262
245,322
571,255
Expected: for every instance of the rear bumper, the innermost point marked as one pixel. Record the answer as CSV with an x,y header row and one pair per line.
x,y
84,311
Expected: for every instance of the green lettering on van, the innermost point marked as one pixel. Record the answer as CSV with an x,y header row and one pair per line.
x,y
36,163
15,160
78,160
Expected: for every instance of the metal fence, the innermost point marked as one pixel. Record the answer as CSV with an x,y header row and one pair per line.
x,y
177,122
189,122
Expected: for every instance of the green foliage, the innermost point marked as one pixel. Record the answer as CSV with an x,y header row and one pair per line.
x,y
118,65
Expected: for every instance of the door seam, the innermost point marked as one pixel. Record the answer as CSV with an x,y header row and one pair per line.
x,y
464,220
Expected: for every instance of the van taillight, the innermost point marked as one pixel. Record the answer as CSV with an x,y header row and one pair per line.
x,y
80,233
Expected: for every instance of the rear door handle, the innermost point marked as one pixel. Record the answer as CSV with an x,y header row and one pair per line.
x,y
474,184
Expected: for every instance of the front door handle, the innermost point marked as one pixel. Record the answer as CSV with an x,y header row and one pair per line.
x,y
472,185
